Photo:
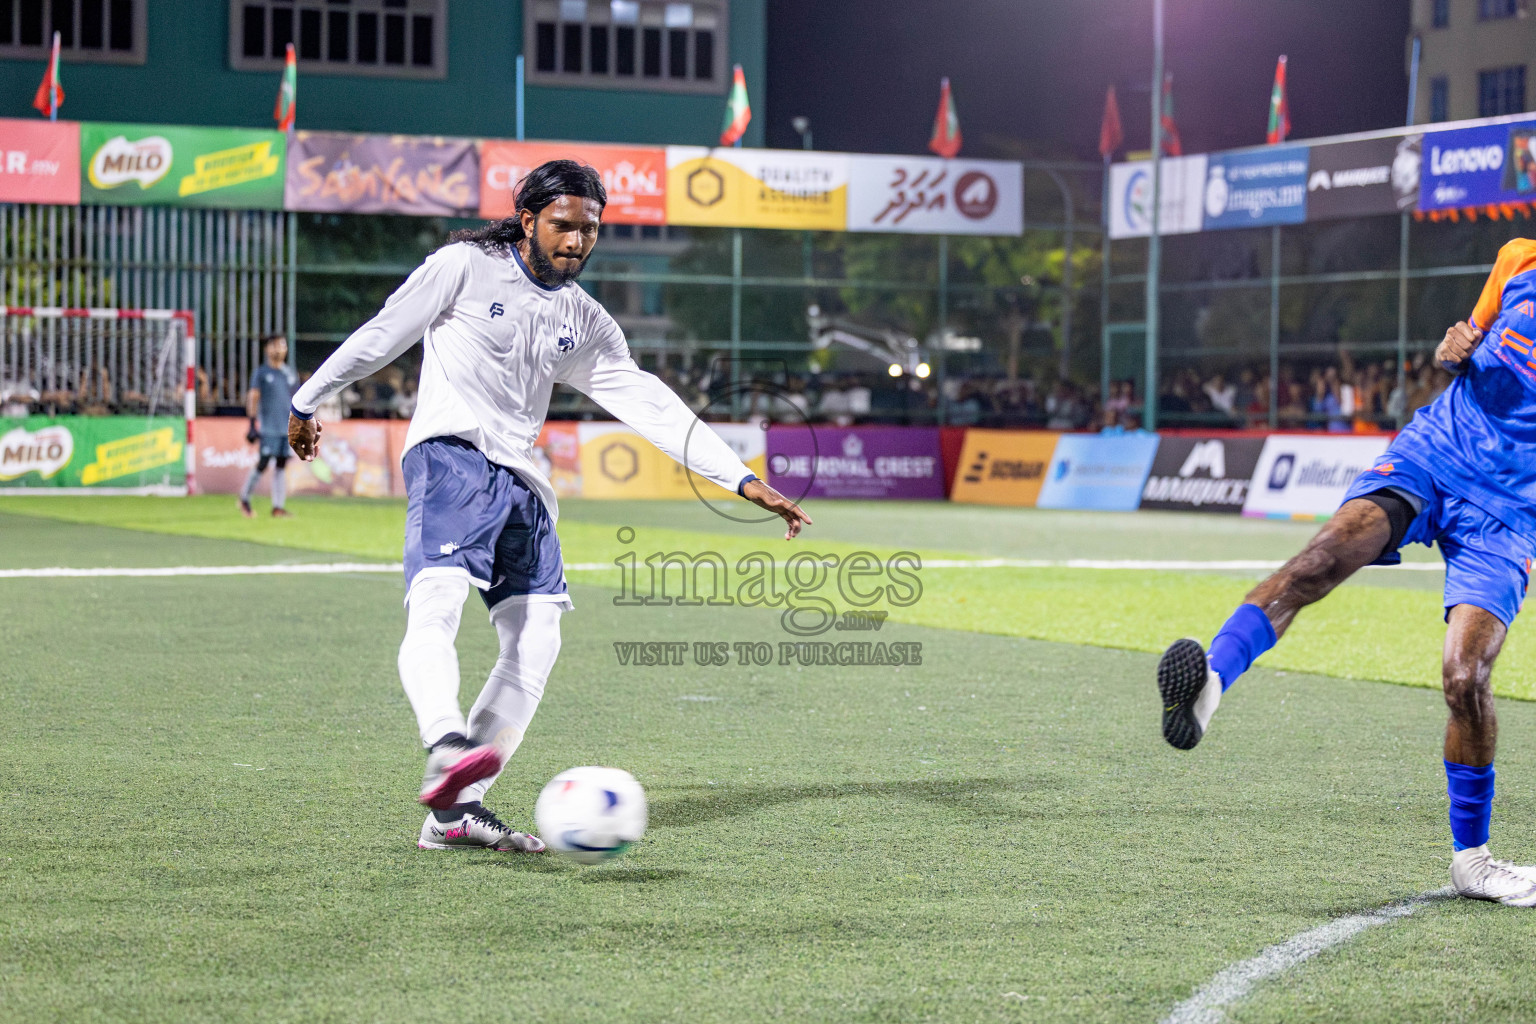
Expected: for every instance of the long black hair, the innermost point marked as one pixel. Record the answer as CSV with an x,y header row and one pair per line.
x,y
543,185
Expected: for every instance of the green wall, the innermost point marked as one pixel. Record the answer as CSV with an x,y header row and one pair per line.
x,y
187,80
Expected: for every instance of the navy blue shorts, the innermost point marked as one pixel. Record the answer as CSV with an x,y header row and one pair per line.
x,y
465,515
1486,563
273,446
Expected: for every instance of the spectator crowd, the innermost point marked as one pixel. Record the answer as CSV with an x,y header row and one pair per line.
x,y
1340,396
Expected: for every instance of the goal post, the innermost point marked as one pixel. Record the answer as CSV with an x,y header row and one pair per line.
x,y
97,400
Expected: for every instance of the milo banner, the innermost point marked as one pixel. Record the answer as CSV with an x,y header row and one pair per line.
x,y
336,172
857,462
757,188
107,453
172,165
1201,474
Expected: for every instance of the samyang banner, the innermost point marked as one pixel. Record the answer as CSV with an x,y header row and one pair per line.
x,y
1253,187
1363,177
174,165
757,188
1201,474
39,161
635,176
1181,185
423,176
927,195
1494,163
97,453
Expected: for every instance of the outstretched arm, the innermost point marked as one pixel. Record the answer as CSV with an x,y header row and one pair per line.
x,y
406,315
610,378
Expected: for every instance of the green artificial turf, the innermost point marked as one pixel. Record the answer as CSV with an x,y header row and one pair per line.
x,y
206,815
1385,625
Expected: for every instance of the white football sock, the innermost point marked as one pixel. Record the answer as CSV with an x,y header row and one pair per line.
x,y
279,486
429,664
530,642
251,480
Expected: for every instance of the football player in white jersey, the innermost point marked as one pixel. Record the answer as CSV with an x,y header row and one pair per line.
x,y
501,322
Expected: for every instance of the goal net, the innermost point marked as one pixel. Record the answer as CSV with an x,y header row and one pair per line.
x,y
97,401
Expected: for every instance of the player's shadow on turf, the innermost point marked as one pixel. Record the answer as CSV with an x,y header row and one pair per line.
x,y
712,803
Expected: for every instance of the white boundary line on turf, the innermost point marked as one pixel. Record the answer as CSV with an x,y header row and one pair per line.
x,y
1235,982
327,568
294,569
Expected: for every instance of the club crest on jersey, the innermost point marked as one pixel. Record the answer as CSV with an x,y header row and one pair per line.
x,y
567,338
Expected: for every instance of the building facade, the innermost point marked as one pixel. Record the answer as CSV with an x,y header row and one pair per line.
x,y
1476,58
651,71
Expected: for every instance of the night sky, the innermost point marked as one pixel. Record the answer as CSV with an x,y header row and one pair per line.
x,y
1034,71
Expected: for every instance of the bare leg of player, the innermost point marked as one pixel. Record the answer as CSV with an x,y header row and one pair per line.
x,y
1473,639
1192,683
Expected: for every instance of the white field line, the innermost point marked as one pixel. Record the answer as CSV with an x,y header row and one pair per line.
x,y
1235,982
328,568
295,569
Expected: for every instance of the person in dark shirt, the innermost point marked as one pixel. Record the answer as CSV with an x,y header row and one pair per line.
x,y
266,403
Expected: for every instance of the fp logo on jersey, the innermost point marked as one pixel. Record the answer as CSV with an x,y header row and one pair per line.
x,y
497,309
567,339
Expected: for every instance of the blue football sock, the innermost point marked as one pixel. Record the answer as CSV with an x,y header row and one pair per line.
x,y
1246,635
1471,792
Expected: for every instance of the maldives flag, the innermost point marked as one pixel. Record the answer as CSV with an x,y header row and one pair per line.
x,y
284,110
1110,132
1171,144
50,92
738,112
945,140
1279,109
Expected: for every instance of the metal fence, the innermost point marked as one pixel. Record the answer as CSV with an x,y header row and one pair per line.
x,y
232,268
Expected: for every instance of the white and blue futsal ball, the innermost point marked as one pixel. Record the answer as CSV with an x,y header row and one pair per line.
x,y
591,814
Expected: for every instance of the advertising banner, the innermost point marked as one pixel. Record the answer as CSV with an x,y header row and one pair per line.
x,y
615,462
105,452
173,165
635,176
927,195
1098,471
1130,197
39,161
1201,474
1256,187
1304,476
757,188
857,462
1494,163
1362,178
354,460
336,172
1003,467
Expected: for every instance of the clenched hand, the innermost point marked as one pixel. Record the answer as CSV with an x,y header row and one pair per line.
x,y
1453,352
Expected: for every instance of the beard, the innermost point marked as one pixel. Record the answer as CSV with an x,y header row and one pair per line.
x,y
544,268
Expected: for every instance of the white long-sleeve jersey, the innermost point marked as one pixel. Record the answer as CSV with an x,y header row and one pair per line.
x,y
496,340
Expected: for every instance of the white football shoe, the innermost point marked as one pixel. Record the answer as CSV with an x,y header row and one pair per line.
x,y
453,765
1477,876
476,828
1190,689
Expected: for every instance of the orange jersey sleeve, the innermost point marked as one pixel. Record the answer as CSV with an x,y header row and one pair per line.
x,y
1516,257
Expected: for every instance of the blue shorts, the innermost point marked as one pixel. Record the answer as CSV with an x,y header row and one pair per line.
x,y
274,446
465,515
1486,563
